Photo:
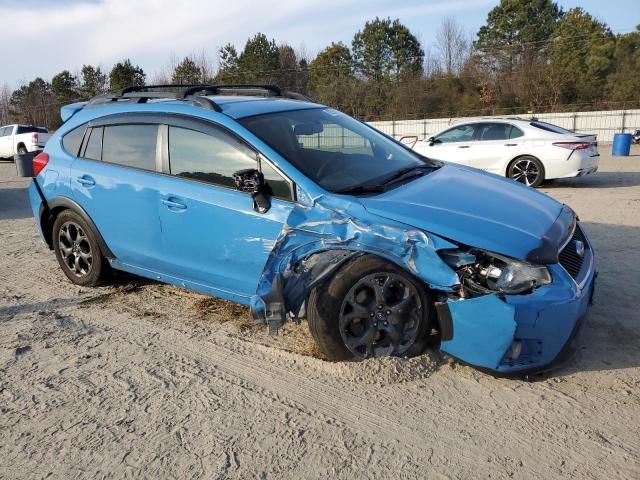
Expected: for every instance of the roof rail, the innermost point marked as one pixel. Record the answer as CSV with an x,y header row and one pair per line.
x,y
198,93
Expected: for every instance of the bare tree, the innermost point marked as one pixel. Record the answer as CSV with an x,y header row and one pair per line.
x,y
5,104
453,46
432,65
205,65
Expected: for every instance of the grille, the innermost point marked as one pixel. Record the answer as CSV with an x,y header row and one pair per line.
x,y
569,258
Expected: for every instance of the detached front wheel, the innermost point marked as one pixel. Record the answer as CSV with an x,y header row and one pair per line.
x,y
371,308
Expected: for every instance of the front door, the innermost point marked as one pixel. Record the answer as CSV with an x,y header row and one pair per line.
x,y
452,145
211,234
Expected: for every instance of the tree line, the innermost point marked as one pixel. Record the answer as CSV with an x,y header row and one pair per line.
x,y
530,55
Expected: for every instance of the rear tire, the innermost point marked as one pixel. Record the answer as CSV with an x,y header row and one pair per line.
x,y
527,170
22,150
370,308
77,250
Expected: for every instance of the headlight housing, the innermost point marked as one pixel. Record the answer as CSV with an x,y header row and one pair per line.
x,y
484,272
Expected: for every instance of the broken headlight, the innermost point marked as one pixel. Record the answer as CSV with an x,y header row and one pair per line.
x,y
483,272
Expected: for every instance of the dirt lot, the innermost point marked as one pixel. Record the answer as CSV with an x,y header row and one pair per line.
x,y
145,380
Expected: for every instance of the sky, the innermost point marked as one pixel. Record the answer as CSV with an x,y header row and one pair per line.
x,y
44,37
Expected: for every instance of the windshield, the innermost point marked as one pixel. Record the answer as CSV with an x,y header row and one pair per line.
x,y
334,150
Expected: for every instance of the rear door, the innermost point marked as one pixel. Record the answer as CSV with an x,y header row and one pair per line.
x,y
115,180
452,145
496,143
211,235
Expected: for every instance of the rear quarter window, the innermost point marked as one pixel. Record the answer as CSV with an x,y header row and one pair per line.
x,y
72,140
515,132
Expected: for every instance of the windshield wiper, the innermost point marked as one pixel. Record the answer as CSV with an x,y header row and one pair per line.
x,y
407,173
361,189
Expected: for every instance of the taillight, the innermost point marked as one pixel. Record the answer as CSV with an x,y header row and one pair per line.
x,y
573,145
34,138
39,162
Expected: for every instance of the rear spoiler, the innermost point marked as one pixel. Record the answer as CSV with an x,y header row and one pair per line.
x,y
68,111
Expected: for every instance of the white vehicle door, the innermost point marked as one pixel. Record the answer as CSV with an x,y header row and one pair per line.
x,y
6,149
495,144
452,145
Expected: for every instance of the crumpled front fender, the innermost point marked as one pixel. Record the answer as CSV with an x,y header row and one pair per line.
x,y
318,239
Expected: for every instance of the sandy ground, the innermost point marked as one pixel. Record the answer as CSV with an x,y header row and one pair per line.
x,y
146,380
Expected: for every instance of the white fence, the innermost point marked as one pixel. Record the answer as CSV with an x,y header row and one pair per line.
x,y
604,124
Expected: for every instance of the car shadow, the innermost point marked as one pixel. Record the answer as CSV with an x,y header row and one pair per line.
x,y
14,204
597,180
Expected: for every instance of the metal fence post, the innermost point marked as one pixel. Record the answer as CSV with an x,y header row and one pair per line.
x,y
624,120
393,127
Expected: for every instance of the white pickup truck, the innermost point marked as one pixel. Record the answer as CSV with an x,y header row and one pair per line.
x,y
22,139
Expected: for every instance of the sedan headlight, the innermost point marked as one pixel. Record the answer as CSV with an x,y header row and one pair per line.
x,y
485,272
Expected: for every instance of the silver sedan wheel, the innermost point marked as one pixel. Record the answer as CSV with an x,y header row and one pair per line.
x,y
525,171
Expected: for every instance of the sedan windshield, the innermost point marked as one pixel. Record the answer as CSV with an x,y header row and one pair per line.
x,y
336,151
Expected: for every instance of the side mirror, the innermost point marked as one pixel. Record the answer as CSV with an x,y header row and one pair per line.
x,y
432,141
252,181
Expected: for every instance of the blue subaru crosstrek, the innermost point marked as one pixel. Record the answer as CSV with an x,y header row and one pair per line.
x,y
262,197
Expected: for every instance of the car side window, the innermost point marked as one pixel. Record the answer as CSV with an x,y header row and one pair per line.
x,y
93,148
132,145
210,158
463,133
516,132
280,187
72,140
214,158
493,131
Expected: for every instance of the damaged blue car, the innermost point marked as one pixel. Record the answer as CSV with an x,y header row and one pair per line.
x,y
262,197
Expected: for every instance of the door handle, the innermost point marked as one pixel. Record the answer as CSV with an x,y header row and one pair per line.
x,y
510,144
173,204
464,146
86,180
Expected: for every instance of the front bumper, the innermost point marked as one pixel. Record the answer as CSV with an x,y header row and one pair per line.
x,y
522,333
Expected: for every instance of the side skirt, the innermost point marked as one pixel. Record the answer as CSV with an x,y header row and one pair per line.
x,y
179,282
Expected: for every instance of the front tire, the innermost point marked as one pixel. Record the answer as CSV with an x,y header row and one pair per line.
x,y
77,250
370,308
528,170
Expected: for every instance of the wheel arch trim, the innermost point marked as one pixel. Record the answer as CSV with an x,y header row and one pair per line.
x,y
65,203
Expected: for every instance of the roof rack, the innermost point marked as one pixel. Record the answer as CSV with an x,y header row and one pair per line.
x,y
197,93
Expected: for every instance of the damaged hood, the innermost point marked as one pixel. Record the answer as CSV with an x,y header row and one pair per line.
x,y
479,210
